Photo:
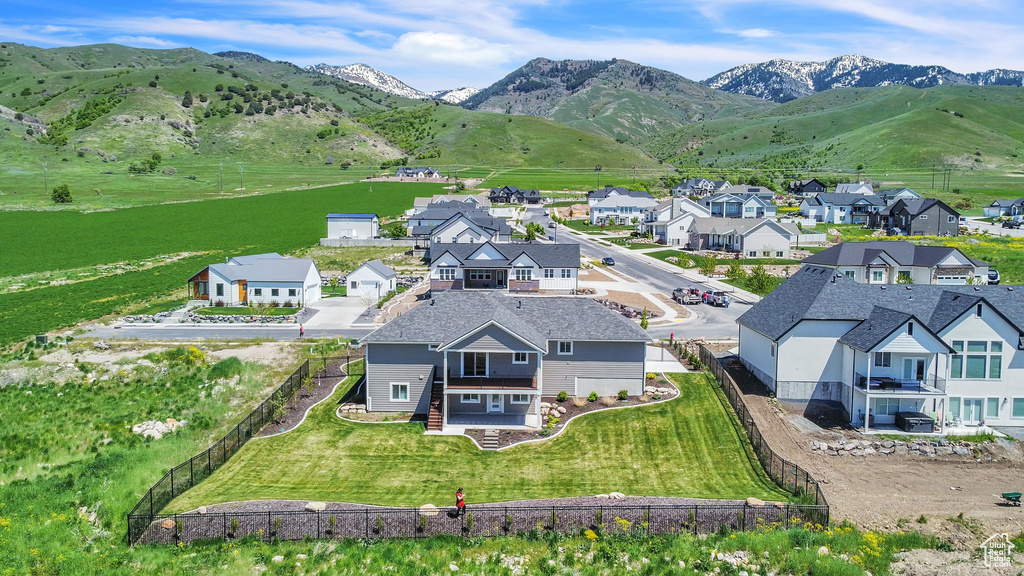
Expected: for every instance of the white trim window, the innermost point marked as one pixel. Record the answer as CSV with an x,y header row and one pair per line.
x,y
566,272
523,274
877,276
275,292
923,217
520,398
950,219
520,357
470,398
883,359
257,291
887,406
564,348
1018,408
549,272
446,274
399,391
432,347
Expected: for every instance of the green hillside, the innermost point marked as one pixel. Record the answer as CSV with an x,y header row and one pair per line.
x,y
968,128
234,125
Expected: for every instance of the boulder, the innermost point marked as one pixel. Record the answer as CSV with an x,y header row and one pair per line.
x,y
823,551
754,501
601,496
943,451
149,433
616,495
961,451
888,444
277,559
545,405
562,410
650,389
167,524
663,390
316,506
857,453
428,510
201,510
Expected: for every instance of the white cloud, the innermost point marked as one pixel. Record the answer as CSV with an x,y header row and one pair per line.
x,y
442,47
750,32
144,41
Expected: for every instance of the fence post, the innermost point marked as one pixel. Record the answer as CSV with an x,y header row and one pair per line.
x,y
317,524
367,511
224,523
150,504
191,472
172,483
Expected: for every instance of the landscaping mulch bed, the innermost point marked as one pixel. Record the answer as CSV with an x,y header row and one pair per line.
x,y
511,437
304,399
289,519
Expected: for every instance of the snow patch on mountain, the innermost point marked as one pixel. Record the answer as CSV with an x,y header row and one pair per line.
x,y
369,76
454,96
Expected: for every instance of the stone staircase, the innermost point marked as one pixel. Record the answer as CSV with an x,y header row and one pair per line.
x,y
490,439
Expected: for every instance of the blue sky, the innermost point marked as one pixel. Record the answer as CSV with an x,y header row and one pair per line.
x,y
437,44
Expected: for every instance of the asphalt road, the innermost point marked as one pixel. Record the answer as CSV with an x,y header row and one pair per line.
x,y
995,229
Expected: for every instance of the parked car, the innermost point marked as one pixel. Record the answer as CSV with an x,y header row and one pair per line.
x,y
993,276
719,298
705,296
608,261
686,295
552,225
1011,223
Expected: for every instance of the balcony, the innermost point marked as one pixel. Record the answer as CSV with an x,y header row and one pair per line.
x,y
494,382
889,385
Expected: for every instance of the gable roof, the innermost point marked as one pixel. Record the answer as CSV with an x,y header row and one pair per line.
x,y
1008,203
379,268
918,206
452,315
718,225
621,201
271,267
612,191
879,325
902,252
891,193
799,184
515,191
545,255
819,293
481,218
854,188
352,215
847,199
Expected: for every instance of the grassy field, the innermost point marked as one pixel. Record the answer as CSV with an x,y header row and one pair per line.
x,y
195,233
679,448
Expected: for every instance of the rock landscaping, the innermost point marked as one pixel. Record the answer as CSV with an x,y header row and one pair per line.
x,y
238,318
146,318
630,311
156,429
922,447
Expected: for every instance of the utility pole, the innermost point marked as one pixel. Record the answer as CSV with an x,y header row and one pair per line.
x,y
634,174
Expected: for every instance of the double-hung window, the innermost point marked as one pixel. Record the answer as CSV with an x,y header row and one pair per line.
x,y
220,289
549,272
399,391
883,359
470,398
446,274
566,273
275,292
257,291
564,348
523,274
520,357
520,398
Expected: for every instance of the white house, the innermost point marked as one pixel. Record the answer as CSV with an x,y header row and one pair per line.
x,y
352,225
371,281
669,222
595,196
949,354
461,201
1005,208
519,267
892,195
752,238
260,279
841,208
619,209
863,187
900,262
410,172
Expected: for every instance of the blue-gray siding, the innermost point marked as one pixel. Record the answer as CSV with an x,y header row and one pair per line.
x,y
388,363
492,339
598,360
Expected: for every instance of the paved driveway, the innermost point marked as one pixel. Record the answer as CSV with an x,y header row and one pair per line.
x,y
335,313
661,360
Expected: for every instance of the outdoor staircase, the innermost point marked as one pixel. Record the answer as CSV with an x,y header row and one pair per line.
x,y
435,415
490,439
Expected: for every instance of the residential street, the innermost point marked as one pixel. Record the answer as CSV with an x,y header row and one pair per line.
x,y
994,229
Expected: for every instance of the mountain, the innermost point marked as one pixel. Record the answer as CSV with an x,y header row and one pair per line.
x,y
784,80
615,98
241,56
363,74
455,96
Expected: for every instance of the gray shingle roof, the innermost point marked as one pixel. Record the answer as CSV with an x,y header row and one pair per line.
x,y
903,252
352,215
455,314
718,225
604,192
270,267
545,255
917,206
848,199
818,293
382,269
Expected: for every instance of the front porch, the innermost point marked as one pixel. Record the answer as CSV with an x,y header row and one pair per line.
x,y
485,279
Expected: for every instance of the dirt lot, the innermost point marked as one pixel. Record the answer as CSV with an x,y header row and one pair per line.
x,y
887,492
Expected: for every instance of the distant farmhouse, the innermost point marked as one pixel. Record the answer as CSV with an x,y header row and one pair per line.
x,y
258,279
900,262
353,225
514,195
407,172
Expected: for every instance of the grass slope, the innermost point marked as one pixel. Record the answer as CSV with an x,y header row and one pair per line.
x,y
687,447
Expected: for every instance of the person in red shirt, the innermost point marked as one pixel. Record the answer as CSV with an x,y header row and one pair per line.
x,y
460,502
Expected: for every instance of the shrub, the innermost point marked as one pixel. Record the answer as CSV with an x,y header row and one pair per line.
x,y
623,394
651,375
331,523
234,527
152,83
226,368
592,397
288,304
62,194
609,400
423,523
274,304
219,303
508,521
644,398
378,525
563,396
190,356
469,522
276,526
578,401
544,432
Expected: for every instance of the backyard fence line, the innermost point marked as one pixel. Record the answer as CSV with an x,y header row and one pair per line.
x,y
196,469
788,475
478,521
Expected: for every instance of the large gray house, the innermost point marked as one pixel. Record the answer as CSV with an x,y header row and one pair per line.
x,y
917,217
484,359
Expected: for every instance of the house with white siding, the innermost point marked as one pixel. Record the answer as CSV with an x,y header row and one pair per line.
x,y
669,221
750,237
948,354
516,267
487,360
900,262
620,209
847,208
371,281
258,279
352,225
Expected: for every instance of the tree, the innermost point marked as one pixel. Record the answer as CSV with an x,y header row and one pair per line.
x,y
736,271
760,282
707,265
62,194
643,319
395,230
598,169
186,100
334,284
532,230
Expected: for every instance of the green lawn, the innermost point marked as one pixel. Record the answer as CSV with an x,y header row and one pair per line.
x,y
742,284
246,311
584,226
686,447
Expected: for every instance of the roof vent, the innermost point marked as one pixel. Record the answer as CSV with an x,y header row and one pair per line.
x,y
883,287
977,288
1010,288
520,305
432,301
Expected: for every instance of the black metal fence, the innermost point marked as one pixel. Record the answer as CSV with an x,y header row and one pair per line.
x,y
478,521
199,467
788,475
